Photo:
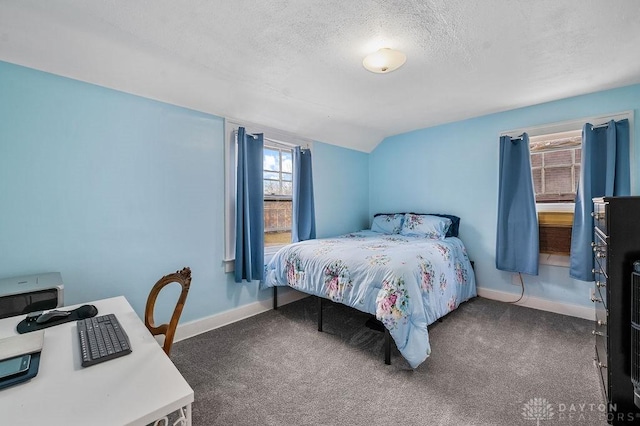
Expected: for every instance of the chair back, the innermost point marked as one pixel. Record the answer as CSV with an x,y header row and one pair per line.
x,y
183,278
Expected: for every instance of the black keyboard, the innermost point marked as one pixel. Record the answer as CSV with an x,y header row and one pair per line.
x,y
101,339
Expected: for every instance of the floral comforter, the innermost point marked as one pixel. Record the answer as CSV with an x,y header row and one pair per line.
x,y
406,282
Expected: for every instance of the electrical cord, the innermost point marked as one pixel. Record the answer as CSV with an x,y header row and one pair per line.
x,y
522,293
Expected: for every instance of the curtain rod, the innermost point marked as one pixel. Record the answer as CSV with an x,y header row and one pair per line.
x,y
563,126
598,126
274,140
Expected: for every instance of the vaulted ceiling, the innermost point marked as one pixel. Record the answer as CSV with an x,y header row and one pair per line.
x,y
297,65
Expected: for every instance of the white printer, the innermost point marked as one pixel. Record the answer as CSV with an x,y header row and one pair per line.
x,y
30,293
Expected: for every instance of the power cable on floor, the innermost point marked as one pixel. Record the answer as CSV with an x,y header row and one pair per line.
x,y
522,285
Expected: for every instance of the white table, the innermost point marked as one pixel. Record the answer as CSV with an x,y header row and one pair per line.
x,y
135,389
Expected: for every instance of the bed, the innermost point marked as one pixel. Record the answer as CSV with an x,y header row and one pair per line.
x,y
408,270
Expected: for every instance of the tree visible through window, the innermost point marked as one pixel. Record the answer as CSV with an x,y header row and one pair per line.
x,y
278,189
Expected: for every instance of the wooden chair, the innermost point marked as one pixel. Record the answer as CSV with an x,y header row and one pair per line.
x,y
183,278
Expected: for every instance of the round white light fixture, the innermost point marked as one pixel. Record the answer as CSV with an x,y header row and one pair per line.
x,y
384,60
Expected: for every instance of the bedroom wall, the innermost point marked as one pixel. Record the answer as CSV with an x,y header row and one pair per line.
x,y
115,190
453,168
344,188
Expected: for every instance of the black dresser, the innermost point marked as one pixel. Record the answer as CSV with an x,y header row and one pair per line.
x,y
616,246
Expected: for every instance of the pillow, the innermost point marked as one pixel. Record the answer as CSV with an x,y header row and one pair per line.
x,y
455,224
427,226
387,223
451,232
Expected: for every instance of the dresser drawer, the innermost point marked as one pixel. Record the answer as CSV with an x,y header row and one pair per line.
x,y
600,281
599,216
600,251
600,291
599,295
600,361
600,325
598,301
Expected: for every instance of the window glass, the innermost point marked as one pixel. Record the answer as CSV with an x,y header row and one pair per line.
x,y
271,159
277,177
555,166
287,188
271,175
287,162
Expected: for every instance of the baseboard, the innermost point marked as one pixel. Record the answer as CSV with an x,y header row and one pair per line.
x,y
539,303
193,328
199,326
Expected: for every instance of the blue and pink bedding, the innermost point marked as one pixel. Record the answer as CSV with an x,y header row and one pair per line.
x,y
407,282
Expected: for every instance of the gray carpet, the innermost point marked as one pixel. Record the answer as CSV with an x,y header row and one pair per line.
x,y
491,364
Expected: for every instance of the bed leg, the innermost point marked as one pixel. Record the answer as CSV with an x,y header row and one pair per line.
x,y
275,298
319,313
387,347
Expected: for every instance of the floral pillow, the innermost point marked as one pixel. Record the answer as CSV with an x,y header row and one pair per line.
x,y
427,226
387,223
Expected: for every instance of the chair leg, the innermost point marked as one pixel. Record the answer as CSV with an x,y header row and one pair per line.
x,y
319,313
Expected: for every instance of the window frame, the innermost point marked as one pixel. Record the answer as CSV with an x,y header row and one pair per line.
x,y
563,127
230,171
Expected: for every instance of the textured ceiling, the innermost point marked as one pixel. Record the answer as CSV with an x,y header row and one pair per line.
x,y
297,65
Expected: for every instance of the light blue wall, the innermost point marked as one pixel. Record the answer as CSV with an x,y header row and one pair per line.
x,y
342,194
114,191
453,168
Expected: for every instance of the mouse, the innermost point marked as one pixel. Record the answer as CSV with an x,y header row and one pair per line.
x,y
86,311
51,315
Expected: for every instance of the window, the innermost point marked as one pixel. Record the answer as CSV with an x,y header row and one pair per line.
x,y
555,165
278,186
278,173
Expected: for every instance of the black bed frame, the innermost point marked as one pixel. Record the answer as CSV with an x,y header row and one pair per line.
x,y
371,323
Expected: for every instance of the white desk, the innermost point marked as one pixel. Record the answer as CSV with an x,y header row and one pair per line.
x,y
135,389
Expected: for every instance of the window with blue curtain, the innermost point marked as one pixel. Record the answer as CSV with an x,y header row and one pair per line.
x,y
273,199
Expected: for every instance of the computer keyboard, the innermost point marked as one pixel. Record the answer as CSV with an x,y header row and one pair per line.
x,y
101,339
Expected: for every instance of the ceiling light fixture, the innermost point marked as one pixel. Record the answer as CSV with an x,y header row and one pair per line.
x,y
384,60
